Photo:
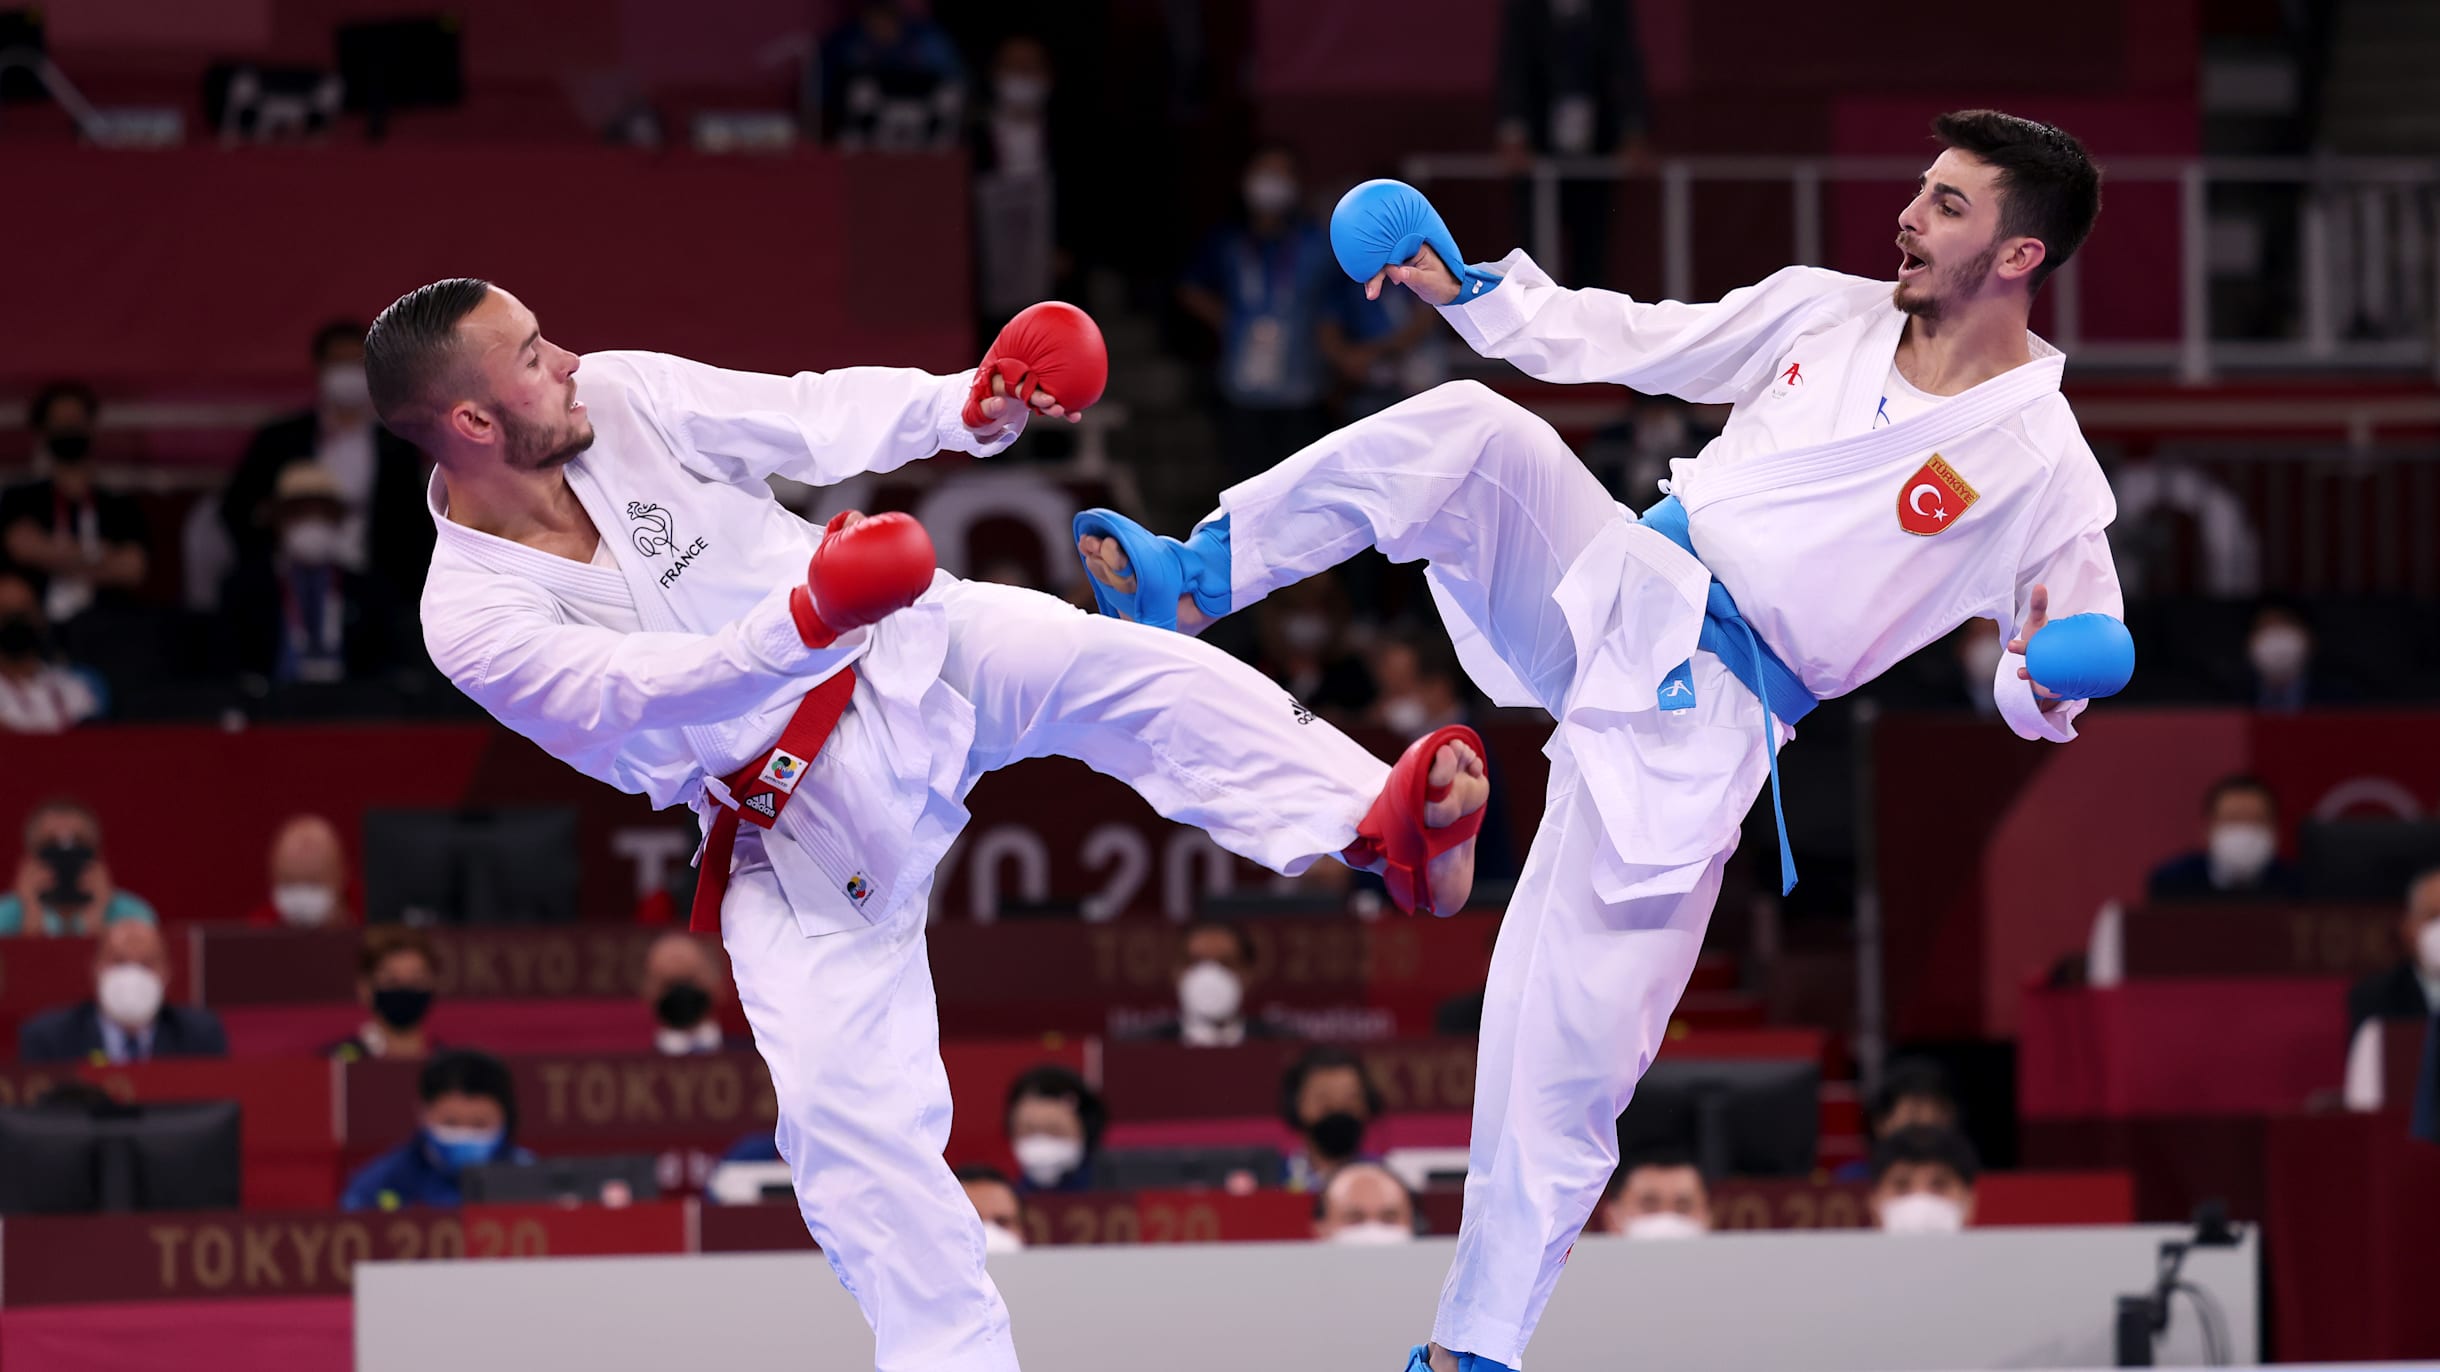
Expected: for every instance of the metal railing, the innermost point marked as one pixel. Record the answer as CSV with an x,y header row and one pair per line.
x,y
2368,246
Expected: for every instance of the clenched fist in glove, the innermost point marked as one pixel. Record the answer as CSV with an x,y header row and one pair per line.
x,y
863,569
1049,357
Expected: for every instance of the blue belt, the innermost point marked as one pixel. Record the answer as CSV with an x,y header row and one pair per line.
x,y
1729,638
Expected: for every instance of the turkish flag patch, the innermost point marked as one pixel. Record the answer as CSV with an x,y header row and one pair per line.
x,y
1933,498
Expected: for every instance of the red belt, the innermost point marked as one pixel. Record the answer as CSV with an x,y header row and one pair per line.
x,y
762,788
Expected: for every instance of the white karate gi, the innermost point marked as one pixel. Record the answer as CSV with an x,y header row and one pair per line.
x,y
674,657
1556,597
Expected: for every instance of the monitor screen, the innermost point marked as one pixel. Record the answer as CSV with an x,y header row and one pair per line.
x,y
150,1157
1758,1118
505,866
552,1180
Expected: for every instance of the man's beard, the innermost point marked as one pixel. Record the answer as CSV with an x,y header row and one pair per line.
x,y
1944,287
532,448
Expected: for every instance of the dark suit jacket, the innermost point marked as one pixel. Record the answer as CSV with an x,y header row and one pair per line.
x,y
2189,878
2394,994
398,529
75,1034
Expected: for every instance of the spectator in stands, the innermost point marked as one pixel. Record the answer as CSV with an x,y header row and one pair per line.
x,y
1923,1181
1658,1194
1271,291
1978,651
1913,1092
1054,1123
79,544
2410,989
1213,959
2239,858
1364,1203
39,692
382,528
63,885
683,985
1571,84
2279,659
891,80
395,981
1302,630
128,1019
1329,1097
1419,692
469,1118
309,880
996,1201
1016,146
303,616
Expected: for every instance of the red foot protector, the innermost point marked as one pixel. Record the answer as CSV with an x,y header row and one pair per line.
x,y
1393,833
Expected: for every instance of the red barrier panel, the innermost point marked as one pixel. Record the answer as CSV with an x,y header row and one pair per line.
x,y
2001,1200
2177,1161
772,263
69,1259
520,1026
293,1334
290,1154
2349,1238
2180,1047
2245,939
1093,1217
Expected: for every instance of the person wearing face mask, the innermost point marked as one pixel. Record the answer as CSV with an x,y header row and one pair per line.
x,y
79,544
2410,988
2279,663
384,531
395,981
1214,958
63,886
1268,288
128,1019
997,1204
1015,149
1329,1098
38,693
683,986
1923,1181
1658,1194
309,879
1054,1123
468,1119
1364,1204
1299,633
304,617
2239,858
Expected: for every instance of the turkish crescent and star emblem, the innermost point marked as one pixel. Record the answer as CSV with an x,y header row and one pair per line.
x,y
1933,498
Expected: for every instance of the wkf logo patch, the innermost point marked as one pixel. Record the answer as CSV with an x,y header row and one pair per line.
x,y
1933,498
783,771
859,888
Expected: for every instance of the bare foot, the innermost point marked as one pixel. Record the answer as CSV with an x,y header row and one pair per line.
x,y
1451,875
1107,563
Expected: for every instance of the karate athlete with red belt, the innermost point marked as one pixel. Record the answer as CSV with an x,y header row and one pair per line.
x,y
614,580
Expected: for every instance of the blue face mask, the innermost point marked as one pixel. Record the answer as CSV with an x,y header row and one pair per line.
x,y
459,1149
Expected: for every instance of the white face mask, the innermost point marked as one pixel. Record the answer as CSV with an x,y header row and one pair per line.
x,y
1373,1232
303,903
1305,633
2240,852
1980,662
1270,192
999,1238
1664,1224
2278,652
2427,948
129,994
1045,1158
1210,993
1022,91
1404,715
1921,1212
310,542
344,387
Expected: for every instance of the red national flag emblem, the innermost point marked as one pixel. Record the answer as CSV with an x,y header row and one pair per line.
x,y
1933,498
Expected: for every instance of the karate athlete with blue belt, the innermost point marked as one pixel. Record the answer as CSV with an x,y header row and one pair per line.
x,y
1898,460
614,580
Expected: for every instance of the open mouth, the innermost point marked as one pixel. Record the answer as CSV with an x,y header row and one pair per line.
x,y
1909,265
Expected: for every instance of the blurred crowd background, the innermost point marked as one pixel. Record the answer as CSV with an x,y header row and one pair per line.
x,y
267,856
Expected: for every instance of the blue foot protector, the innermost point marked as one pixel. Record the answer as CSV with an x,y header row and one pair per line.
x,y
1419,1360
2082,657
1164,569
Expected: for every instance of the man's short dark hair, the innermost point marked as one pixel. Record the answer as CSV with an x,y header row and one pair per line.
x,y
1321,1193
1321,1057
61,805
1663,1155
1926,1143
386,941
1051,1081
2236,785
412,346
334,334
467,1072
1911,1079
1235,931
38,410
2048,186
983,1171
